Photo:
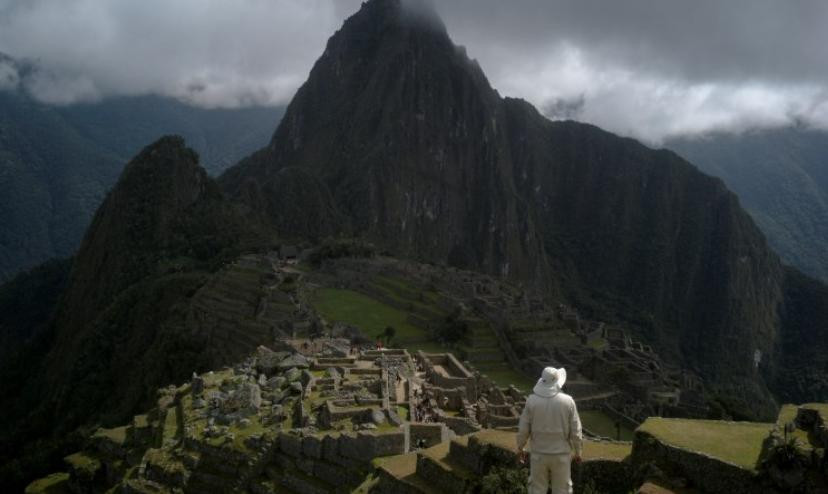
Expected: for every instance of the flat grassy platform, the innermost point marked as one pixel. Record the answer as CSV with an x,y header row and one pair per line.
x,y
57,483
600,423
368,314
399,465
595,450
502,439
505,376
738,443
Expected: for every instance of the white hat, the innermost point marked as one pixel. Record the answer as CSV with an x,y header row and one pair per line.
x,y
551,382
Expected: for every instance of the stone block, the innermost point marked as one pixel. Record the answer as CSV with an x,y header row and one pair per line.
x,y
290,445
439,474
306,378
293,374
294,361
267,361
305,465
312,447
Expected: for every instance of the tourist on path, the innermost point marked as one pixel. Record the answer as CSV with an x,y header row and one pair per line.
x,y
550,420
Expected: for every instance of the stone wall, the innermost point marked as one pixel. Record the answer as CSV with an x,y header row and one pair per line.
x,y
605,476
431,434
461,425
458,377
619,417
340,461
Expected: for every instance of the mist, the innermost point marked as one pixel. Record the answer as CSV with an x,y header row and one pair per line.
x,y
651,70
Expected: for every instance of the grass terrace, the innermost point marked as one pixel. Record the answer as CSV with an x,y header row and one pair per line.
x,y
116,435
738,443
83,463
505,376
594,450
600,423
57,483
370,315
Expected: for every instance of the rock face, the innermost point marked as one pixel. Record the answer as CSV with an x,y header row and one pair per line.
x,y
407,144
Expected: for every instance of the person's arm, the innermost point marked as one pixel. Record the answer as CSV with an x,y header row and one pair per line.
x,y
576,437
525,427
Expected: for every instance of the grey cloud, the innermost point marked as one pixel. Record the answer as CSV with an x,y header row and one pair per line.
x,y
647,68
9,78
697,40
240,52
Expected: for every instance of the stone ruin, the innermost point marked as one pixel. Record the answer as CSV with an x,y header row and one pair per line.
x,y
382,421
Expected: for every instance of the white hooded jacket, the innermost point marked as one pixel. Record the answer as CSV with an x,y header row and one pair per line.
x,y
552,423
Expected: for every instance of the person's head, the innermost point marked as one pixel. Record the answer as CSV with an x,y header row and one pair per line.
x,y
550,382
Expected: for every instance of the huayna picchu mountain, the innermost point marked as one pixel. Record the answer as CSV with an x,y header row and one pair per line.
x,y
417,153
398,139
136,307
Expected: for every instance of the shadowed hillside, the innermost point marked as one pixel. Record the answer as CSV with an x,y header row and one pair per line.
x,y
57,163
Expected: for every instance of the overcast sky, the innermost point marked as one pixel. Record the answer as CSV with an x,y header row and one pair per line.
x,y
646,68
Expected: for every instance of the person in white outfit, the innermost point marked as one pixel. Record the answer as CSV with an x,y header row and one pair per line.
x,y
550,422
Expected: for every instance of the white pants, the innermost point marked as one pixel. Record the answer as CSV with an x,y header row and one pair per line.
x,y
550,471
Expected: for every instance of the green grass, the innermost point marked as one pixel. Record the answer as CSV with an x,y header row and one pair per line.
x,y
738,443
366,313
116,435
398,283
57,483
242,433
603,450
600,423
170,425
402,411
398,465
599,344
506,376
427,347
141,421
402,292
81,462
787,414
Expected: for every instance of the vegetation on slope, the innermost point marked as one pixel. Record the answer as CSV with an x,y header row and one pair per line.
x,y
781,177
120,328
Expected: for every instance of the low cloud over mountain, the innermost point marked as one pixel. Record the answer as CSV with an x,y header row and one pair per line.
x,y
647,69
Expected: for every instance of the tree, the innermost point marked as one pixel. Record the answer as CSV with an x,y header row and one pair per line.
x,y
389,333
452,329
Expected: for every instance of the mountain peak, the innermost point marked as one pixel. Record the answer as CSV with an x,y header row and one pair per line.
x,y
377,19
411,12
